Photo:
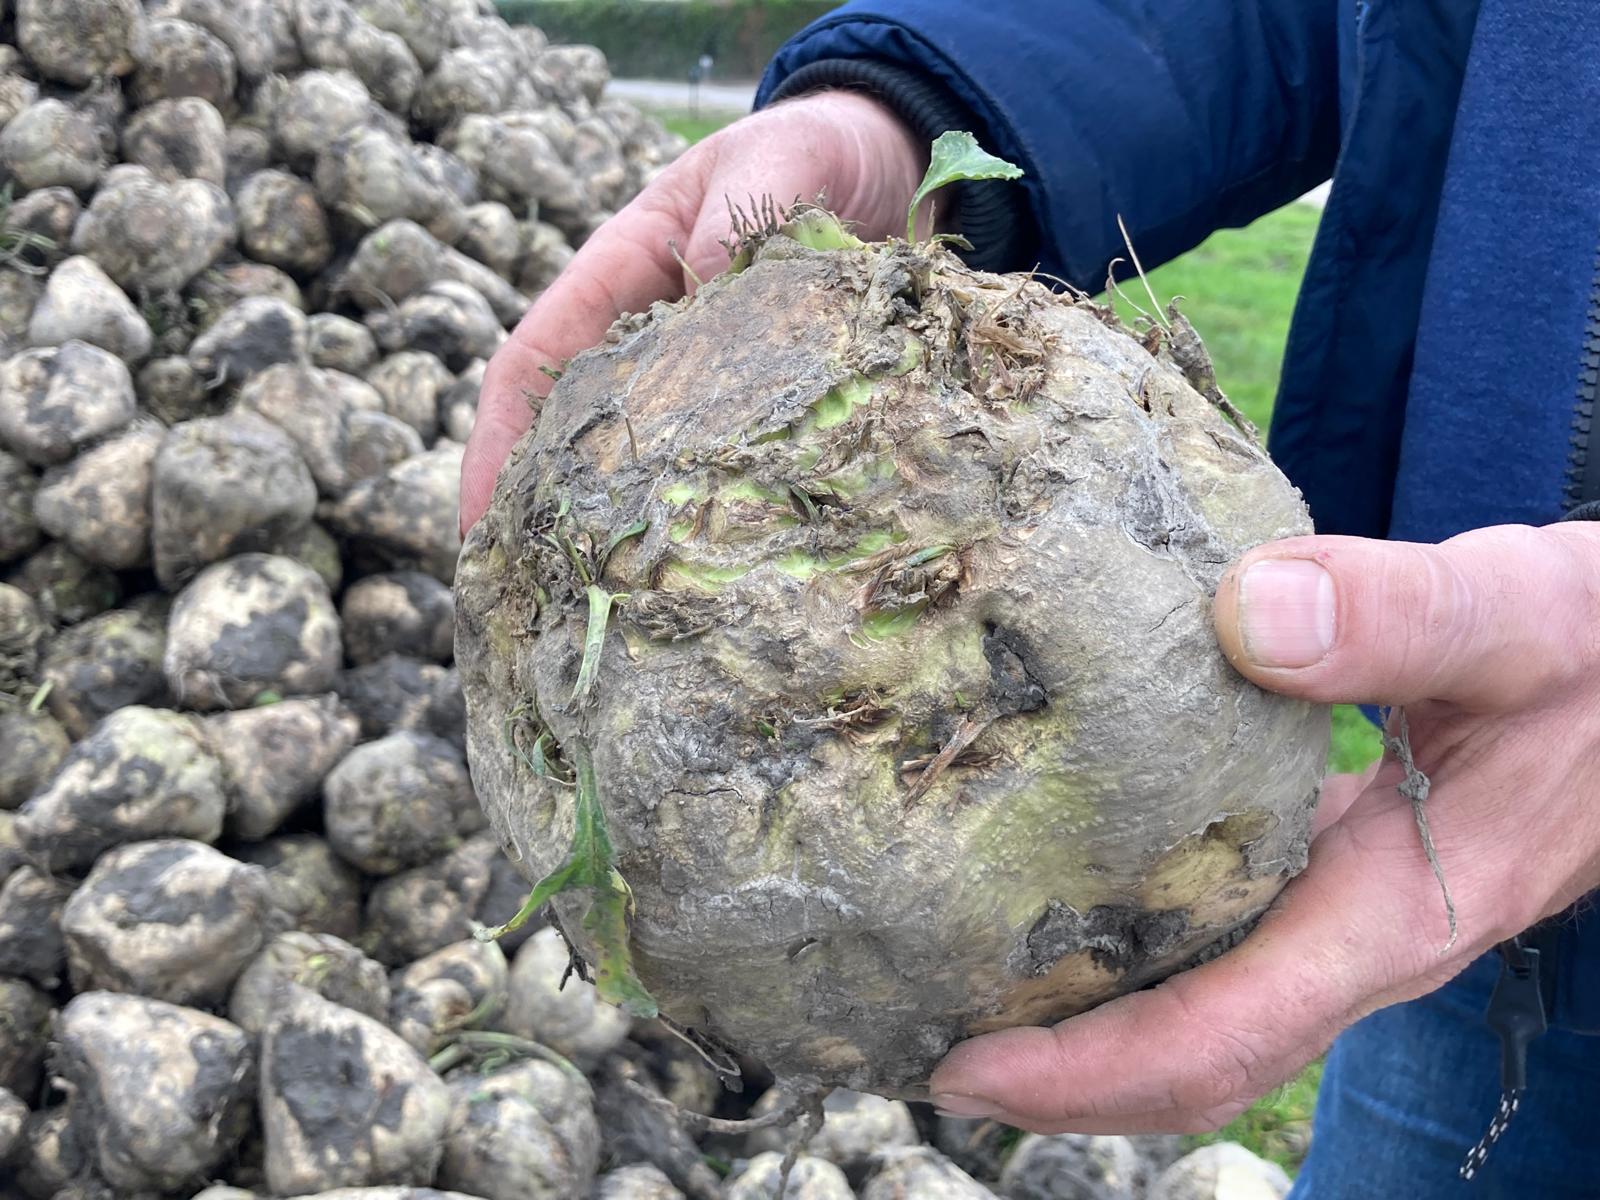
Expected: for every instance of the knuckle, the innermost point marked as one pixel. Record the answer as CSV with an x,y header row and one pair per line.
x,y
1447,616
1222,1074
1424,611
1581,549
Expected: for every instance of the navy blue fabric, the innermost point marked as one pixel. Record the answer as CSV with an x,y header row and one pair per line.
x,y
1577,999
1183,118
1341,407
1489,424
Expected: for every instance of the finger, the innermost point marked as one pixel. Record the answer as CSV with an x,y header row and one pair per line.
x,y
1343,940
624,267
1494,619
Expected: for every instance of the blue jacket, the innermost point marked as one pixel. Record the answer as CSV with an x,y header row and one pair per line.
x,y
1441,365
1445,352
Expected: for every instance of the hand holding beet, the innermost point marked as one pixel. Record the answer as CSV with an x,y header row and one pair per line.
x,y
1490,641
275,241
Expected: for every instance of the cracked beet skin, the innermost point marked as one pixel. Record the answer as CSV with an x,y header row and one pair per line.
x,y
912,723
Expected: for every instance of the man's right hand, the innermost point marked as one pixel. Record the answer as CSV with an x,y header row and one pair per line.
x,y
846,146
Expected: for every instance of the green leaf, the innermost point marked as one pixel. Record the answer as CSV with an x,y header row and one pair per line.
x,y
526,716
577,559
594,640
591,841
820,230
927,555
536,758
607,925
956,157
543,892
803,498
591,867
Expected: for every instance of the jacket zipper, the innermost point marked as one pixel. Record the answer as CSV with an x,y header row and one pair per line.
x,y
1583,462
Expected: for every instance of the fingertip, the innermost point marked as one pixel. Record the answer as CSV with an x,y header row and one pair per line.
x,y
996,1074
956,1075
477,485
1275,608
1225,616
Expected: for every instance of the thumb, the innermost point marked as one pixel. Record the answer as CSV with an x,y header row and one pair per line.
x,y
1492,619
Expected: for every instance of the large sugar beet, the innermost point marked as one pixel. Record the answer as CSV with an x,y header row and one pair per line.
x,y
51,144
908,721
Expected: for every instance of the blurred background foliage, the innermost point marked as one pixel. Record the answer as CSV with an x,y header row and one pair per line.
x,y
663,39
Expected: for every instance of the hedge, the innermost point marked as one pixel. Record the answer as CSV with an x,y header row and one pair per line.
x,y
654,39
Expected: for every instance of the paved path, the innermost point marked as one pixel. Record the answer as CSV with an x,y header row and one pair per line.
x,y
1317,196
736,99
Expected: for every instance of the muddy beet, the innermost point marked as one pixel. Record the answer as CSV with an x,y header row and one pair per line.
x,y
866,598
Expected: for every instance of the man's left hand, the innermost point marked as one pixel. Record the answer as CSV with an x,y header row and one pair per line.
x,y
1491,641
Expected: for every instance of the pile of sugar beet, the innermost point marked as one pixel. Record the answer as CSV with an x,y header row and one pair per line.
x,y
253,257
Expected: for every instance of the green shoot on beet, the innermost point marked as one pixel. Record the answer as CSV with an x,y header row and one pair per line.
x,y
956,157
622,535
594,639
590,867
525,717
40,695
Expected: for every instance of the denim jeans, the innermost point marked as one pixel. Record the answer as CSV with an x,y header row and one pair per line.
x,y
1407,1091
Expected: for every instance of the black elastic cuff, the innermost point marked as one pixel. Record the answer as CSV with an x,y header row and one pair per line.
x,y
1584,512
991,214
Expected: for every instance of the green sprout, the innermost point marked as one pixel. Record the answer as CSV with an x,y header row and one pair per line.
x,y
956,157
526,715
622,535
591,867
594,639
820,230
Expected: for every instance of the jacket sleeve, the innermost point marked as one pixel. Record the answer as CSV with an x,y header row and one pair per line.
x,y
1181,117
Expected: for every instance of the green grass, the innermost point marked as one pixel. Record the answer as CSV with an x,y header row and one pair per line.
x,y
689,126
1355,741
1278,1126
1239,288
